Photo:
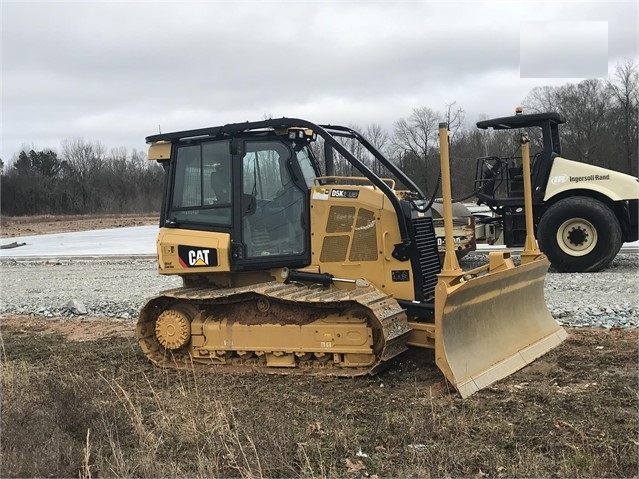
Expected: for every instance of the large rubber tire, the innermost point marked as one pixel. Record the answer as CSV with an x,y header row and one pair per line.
x,y
579,234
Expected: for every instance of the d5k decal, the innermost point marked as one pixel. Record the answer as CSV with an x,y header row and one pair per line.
x,y
194,256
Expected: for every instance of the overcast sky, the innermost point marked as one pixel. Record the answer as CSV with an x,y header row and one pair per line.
x,y
113,71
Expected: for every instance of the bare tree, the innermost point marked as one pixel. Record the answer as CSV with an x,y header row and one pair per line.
x,y
624,88
586,107
454,117
417,133
542,99
378,137
413,139
82,154
83,160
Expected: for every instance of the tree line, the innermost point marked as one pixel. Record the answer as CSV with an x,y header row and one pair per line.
x,y
602,129
84,179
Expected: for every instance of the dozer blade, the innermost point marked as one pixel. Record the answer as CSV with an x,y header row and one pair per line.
x,y
490,326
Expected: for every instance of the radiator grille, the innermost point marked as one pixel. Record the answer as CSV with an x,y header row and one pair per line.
x,y
429,264
364,247
334,248
340,219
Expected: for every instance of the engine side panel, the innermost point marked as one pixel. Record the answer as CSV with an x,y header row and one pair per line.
x,y
353,235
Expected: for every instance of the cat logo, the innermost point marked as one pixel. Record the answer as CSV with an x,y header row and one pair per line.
x,y
199,257
194,257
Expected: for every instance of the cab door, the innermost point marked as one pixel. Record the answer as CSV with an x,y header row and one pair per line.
x,y
273,212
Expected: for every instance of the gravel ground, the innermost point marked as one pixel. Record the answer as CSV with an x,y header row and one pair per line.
x,y
119,288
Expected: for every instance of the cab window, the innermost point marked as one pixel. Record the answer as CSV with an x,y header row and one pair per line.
x,y
275,226
202,184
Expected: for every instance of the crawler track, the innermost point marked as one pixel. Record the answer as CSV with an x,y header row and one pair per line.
x,y
273,327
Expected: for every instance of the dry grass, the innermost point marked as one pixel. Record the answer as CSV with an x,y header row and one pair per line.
x,y
98,408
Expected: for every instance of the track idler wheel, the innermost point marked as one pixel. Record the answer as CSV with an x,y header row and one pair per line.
x,y
173,326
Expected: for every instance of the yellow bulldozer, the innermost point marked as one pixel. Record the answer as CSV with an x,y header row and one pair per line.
x,y
288,268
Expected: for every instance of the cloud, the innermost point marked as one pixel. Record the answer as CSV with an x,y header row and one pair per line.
x,y
113,71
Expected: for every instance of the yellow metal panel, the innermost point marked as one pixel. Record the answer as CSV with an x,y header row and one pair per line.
x,y
169,242
336,222
422,335
288,338
160,151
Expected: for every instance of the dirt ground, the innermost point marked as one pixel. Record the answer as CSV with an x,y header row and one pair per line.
x,y
571,413
15,226
77,329
87,328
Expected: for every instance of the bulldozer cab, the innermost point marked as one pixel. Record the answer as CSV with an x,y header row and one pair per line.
x,y
255,188
253,182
